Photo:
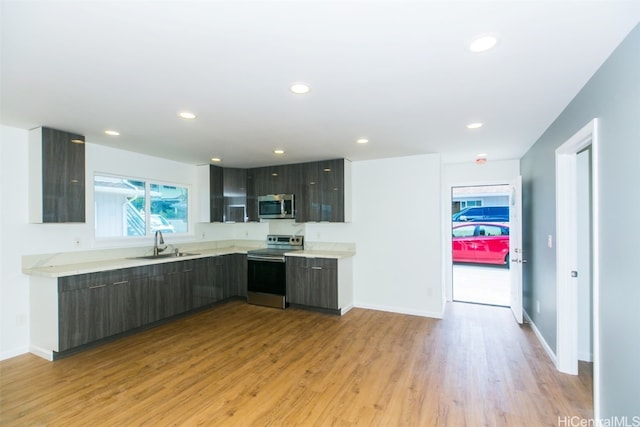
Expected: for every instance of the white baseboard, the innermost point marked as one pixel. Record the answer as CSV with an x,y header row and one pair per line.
x,y
546,346
400,310
13,353
346,309
41,352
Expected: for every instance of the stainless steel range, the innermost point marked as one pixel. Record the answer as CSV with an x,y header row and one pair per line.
x,y
267,284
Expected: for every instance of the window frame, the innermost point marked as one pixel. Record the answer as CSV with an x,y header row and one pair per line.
x,y
148,182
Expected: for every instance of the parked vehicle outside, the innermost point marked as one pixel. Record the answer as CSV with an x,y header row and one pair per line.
x,y
482,213
160,223
481,243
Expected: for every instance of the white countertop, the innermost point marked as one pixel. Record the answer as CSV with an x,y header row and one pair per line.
x,y
95,266
322,254
114,264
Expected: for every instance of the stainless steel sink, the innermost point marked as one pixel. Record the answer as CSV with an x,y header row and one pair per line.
x,y
169,255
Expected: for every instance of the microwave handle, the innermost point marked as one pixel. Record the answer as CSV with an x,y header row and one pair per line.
x,y
282,207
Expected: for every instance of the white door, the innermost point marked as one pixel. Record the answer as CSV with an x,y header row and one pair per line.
x,y
515,247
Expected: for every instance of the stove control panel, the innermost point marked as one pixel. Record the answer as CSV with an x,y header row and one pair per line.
x,y
283,240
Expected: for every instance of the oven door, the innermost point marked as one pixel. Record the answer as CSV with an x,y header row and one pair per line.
x,y
267,276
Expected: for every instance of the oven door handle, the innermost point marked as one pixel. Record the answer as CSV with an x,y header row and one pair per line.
x,y
265,258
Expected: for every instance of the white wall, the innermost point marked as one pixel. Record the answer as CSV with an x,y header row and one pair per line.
x,y
22,238
14,286
395,217
467,175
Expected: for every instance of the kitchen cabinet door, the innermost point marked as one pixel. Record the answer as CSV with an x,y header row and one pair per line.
x,y
83,309
297,280
312,282
178,288
323,192
235,275
208,281
223,195
58,187
170,290
331,191
235,195
128,304
216,194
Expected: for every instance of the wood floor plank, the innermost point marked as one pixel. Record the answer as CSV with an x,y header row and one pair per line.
x,y
243,365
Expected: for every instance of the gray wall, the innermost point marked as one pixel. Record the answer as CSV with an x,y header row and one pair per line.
x,y
613,96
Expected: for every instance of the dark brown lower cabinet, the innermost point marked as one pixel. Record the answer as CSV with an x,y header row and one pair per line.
x,y
235,277
170,290
127,304
312,282
98,305
84,315
208,281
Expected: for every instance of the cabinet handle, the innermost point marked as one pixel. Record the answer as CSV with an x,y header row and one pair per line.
x,y
316,268
186,271
97,286
121,283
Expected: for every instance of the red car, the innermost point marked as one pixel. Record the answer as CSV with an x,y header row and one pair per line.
x,y
481,243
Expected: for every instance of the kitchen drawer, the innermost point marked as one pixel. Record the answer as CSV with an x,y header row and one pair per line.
x,y
315,263
90,280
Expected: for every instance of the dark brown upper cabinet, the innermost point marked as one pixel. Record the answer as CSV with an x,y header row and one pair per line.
x,y
325,194
223,194
280,179
57,178
322,191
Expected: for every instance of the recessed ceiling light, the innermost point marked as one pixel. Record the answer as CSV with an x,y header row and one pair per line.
x,y
278,151
300,88
187,115
216,159
482,155
362,141
112,132
475,125
327,169
483,43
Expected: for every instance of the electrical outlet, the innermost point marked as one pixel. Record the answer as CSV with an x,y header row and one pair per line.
x,y
203,235
550,241
537,306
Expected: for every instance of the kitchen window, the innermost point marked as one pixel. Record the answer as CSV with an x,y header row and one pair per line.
x,y
129,207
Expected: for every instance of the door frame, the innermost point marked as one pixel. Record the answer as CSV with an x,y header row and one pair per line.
x,y
566,254
447,254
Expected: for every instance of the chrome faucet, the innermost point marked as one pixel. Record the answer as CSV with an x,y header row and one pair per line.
x,y
156,243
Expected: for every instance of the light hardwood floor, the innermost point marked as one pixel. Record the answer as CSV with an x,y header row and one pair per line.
x,y
245,365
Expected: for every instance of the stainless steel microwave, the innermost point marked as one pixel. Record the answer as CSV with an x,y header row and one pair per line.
x,y
276,206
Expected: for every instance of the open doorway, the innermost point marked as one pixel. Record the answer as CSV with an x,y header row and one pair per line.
x,y
480,244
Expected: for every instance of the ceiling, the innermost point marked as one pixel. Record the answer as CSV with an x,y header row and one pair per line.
x,y
398,73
